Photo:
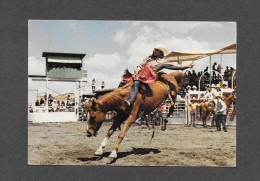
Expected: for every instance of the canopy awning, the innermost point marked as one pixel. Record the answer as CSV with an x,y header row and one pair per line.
x,y
177,56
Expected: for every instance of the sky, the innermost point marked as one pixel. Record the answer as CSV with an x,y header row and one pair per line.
x,y
113,46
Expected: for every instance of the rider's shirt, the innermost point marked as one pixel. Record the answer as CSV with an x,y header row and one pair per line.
x,y
158,64
221,107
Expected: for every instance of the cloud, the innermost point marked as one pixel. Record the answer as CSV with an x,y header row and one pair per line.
x,y
149,37
35,66
105,67
121,37
183,26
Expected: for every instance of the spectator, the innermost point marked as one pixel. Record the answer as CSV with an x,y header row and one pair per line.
x,y
93,84
50,99
158,115
221,114
214,69
226,73
102,85
206,71
192,106
54,106
207,95
224,85
41,102
194,88
230,73
188,88
219,68
37,103
199,74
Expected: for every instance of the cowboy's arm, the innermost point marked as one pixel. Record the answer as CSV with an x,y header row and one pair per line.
x,y
182,67
188,106
171,66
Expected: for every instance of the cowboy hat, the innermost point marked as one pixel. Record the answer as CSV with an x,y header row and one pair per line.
x,y
162,49
194,87
188,86
224,83
217,86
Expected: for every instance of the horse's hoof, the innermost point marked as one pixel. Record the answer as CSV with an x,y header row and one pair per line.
x,y
98,153
113,154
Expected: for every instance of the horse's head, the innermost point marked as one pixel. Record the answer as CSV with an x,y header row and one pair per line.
x,y
96,117
211,105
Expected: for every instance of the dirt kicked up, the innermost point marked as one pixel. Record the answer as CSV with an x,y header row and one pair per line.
x,y
179,145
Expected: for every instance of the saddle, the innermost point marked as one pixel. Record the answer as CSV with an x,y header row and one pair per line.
x,y
168,80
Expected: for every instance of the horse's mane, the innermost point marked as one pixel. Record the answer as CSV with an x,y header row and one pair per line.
x,y
179,76
114,98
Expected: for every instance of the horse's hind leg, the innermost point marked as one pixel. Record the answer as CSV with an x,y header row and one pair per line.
x,y
165,121
130,120
115,125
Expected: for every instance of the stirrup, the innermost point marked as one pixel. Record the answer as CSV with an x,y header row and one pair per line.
x,y
127,104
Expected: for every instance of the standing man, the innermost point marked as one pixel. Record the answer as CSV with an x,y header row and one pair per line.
x,y
103,85
221,114
158,115
93,84
215,93
192,108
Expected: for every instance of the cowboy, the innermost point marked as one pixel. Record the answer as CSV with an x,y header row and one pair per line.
x,y
193,105
188,88
216,91
194,88
146,72
207,95
221,114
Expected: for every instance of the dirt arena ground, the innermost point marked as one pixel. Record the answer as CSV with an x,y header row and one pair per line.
x,y
179,145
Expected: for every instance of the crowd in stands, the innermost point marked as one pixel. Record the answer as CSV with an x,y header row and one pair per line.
x,y
192,78
56,105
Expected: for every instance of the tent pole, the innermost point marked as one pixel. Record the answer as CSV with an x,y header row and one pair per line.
x,y
210,70
47,95
221,62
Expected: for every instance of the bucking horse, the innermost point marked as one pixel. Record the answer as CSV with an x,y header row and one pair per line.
x,y
210,107
148,98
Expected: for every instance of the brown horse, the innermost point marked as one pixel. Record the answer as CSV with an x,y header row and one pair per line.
x,y
144,104
210,107
207,108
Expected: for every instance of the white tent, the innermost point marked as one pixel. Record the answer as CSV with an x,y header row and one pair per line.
x,y
178,56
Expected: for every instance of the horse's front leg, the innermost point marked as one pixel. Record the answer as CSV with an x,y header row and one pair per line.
x,y
130,120
113,128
